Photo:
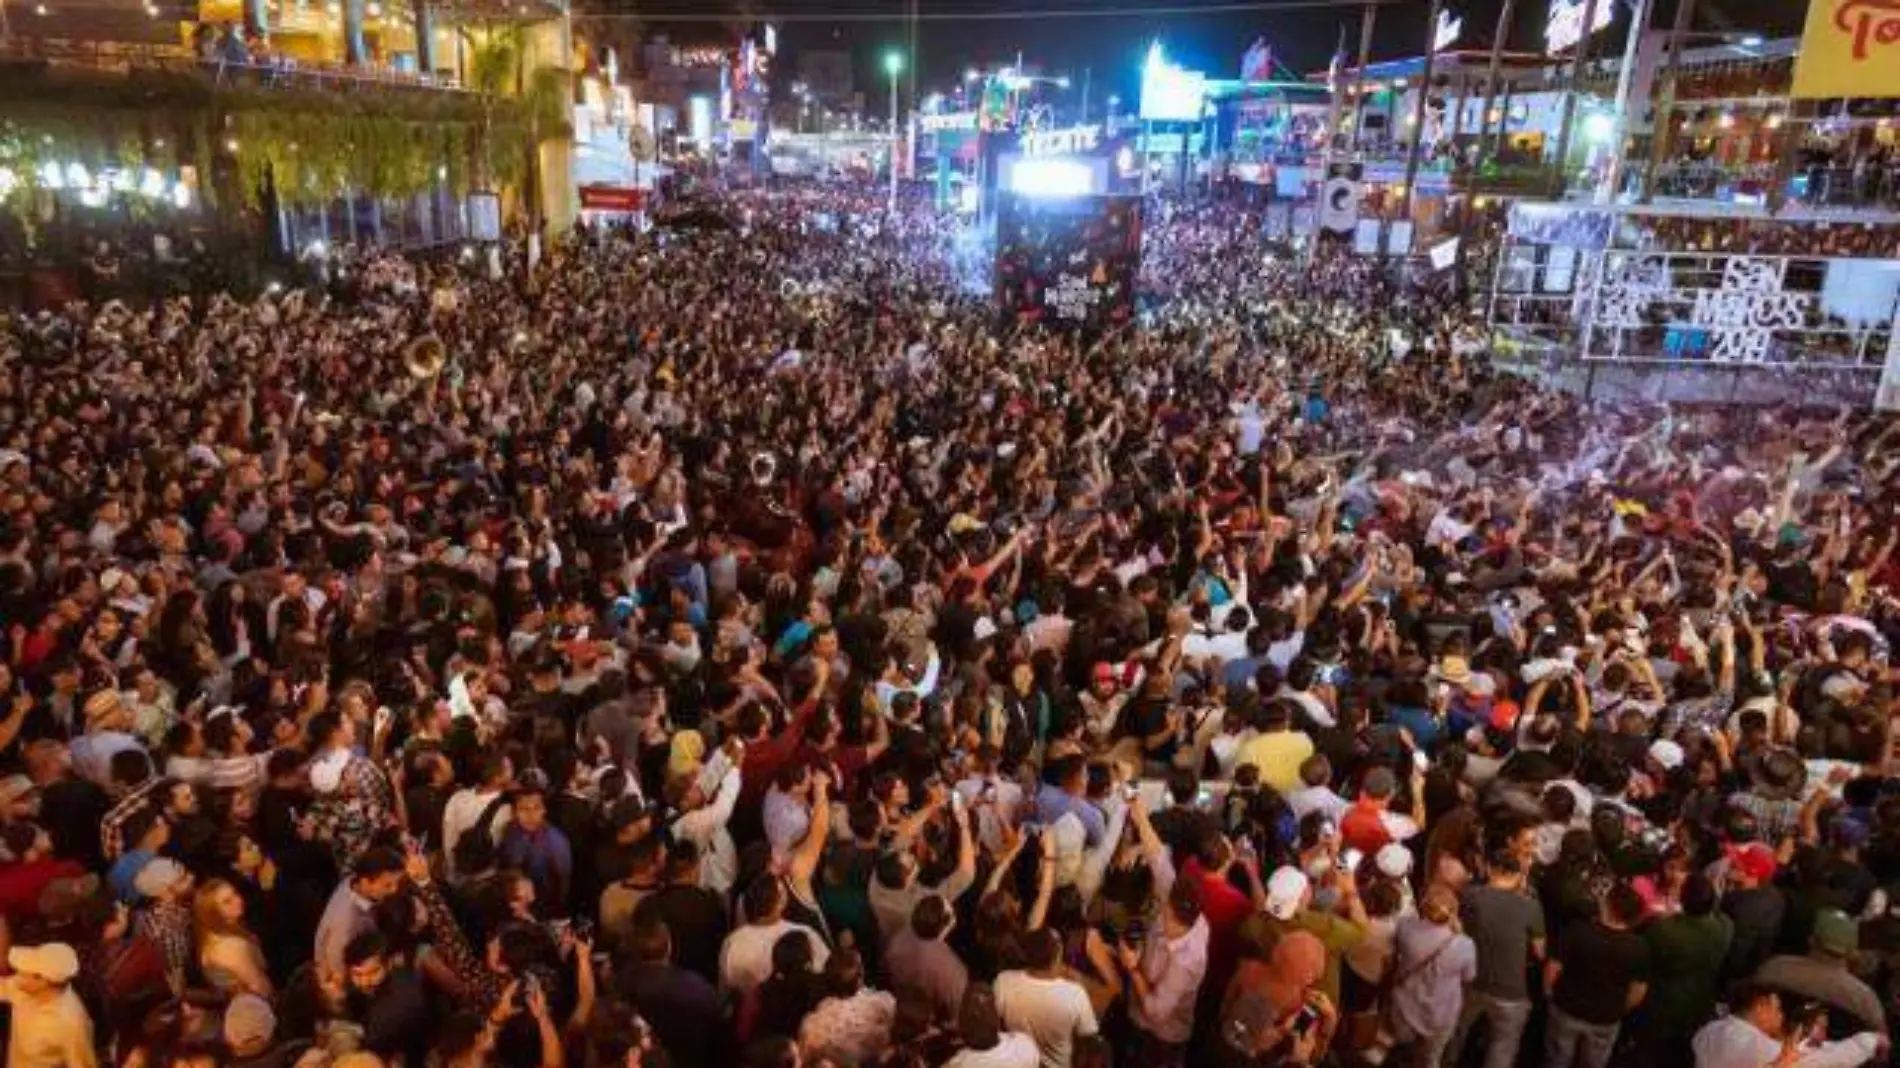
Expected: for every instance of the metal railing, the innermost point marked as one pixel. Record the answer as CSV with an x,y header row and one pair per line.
x,y
1870,185
277,72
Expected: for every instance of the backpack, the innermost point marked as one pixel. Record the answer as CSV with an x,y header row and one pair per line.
x,y
475,850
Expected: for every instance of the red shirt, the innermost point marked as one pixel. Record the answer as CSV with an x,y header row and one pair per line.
x,y
1363,827
22,884
1223,906
764,759
36,648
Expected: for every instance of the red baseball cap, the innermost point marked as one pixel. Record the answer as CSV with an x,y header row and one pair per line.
x,y
1754,860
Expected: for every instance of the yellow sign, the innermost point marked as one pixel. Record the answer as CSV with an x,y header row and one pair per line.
x,y
1850,48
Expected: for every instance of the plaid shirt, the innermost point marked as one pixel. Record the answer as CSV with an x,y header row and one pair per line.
x,y
1776,818
112,828
362,805
168,926
1708,713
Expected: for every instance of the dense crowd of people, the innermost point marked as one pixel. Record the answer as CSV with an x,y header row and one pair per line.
x,y
727,645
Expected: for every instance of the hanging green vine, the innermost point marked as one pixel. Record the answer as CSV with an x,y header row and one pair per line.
x,y
313,144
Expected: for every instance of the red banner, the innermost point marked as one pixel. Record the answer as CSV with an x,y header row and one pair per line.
x,y
612,198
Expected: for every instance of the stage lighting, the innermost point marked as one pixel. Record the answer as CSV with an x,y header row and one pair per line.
x,y
1052,178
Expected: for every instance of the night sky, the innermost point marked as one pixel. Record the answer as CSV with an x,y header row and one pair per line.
x,y
1111,48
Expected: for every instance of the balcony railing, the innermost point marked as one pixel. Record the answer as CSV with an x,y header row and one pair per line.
x,y
1870,186
280,72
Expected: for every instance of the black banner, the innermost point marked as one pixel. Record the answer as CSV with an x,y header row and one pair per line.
x,y
1068,261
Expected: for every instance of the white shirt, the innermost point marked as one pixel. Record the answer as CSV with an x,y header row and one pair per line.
x,y
1445,529
1314,708
1174,968
1281,653
1016,1050
991,819
1221,648
93,751
1048,632
705,826
1317,799
745,960
48,1032
850,1031
787,821
1733,1042
1250,428
1051,1011
460,815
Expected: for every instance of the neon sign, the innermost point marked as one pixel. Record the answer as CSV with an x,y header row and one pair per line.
x,y
955,120
1065,142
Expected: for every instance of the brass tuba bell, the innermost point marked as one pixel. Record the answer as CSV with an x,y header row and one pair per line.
x,y
425,357
764,468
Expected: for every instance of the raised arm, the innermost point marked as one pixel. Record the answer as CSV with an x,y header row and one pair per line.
x,y
805,858
1045,881
1088,881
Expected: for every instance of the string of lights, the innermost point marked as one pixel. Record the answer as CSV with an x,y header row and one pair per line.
x,y
1012,14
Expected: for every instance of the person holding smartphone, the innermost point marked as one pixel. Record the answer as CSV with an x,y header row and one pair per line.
x,y
1165,969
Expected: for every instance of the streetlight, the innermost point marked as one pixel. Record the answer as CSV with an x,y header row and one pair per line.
x,y
893,66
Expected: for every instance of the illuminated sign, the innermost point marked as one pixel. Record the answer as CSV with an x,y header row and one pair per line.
x,y
1170,93
611,198
1851,48
1064,142
1564,28
700,57
1450,27
956,120
1052,178
700,121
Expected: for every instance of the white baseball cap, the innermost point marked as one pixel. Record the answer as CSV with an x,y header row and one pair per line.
x,y
1393,860
1286,892
54,962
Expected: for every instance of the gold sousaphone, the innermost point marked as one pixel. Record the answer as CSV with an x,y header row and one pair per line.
x,y
763,468
425,357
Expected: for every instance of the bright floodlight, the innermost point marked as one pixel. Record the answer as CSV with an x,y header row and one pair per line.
x,y
1599,127
1753,40
893,63
1052,178
1170,93
1062,83
972,74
